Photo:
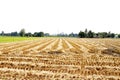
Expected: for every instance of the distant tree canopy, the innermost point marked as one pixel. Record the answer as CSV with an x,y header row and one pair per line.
x,y
22,33
28,34
86,34
118,35
2,33
14,34
82,34
90,34
46,34
38,34
73,35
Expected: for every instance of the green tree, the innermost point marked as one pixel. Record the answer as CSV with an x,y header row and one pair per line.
x,y
14,34
28,34
112,35
118,35
86,33
71,34
46,34
102,34
2,33
90,34
108,34
22,32
41,34
81,34
35,34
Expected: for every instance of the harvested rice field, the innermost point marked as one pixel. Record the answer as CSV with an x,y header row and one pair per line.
x,y
60,59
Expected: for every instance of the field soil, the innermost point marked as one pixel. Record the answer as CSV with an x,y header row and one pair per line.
x,y
61,59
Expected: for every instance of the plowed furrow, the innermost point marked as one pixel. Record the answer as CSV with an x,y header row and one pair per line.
x,y
8,45
43,46
76,49
34,48
55,44
14,47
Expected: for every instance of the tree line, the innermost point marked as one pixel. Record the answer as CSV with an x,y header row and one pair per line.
x,y
91,34
82,34
23,33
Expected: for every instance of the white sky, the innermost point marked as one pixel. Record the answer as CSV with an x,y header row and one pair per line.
x,y
55,16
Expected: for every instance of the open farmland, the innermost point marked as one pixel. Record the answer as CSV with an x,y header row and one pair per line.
x,y
60,58
14,39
